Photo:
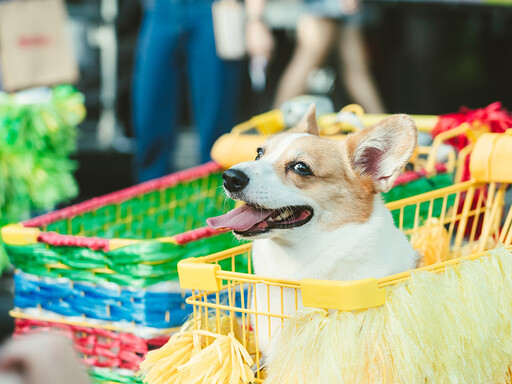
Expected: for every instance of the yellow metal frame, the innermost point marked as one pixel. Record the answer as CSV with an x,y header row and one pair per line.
x,y
212,281
464,210
206,275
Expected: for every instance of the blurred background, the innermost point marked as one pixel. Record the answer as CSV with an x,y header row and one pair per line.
x,y
422,57
427,57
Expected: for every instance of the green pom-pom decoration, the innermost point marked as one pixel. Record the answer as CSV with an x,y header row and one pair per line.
x,y
36,140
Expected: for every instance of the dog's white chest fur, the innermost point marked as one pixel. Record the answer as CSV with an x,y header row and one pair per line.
x,y
375,248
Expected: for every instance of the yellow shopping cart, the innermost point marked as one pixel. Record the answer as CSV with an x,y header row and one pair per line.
x,y
449,227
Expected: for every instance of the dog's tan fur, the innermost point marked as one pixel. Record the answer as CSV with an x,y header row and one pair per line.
x,y
337,183
333,183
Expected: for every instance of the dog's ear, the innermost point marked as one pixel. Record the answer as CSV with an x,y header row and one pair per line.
x,y
308,122
383,150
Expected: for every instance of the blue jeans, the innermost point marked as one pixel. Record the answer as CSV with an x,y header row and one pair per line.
x,y
176,42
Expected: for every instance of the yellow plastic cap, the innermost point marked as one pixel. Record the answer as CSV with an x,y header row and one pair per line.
x,y
342,295
17,234
270,122
491,160
231,149
194,274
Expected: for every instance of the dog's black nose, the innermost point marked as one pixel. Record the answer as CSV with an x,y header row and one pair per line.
x,y
235,180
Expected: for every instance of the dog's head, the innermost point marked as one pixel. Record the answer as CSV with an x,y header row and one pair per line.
x,y
299,180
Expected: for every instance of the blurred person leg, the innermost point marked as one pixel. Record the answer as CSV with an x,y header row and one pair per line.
x,y
315,38
215,83
157,90
356,72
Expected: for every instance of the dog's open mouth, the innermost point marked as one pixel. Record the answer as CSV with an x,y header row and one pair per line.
x,y
249,220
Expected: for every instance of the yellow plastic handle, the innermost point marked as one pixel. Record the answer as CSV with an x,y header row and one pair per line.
x,y
195,274
17,234
342,295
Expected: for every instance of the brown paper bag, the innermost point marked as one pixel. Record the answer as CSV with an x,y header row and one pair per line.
x,y
34,48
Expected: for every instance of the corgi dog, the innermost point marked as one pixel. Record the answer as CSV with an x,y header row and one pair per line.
x,y
314,210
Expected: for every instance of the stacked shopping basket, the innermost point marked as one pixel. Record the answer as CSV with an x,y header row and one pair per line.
x,y
105,271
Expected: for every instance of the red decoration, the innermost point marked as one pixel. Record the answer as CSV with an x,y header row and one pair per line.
x,y
98,347
493,117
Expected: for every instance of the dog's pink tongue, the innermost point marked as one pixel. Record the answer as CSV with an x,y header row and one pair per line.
x,y
239,219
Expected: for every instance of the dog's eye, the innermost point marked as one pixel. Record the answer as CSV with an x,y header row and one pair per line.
x,y
302,169
260,152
